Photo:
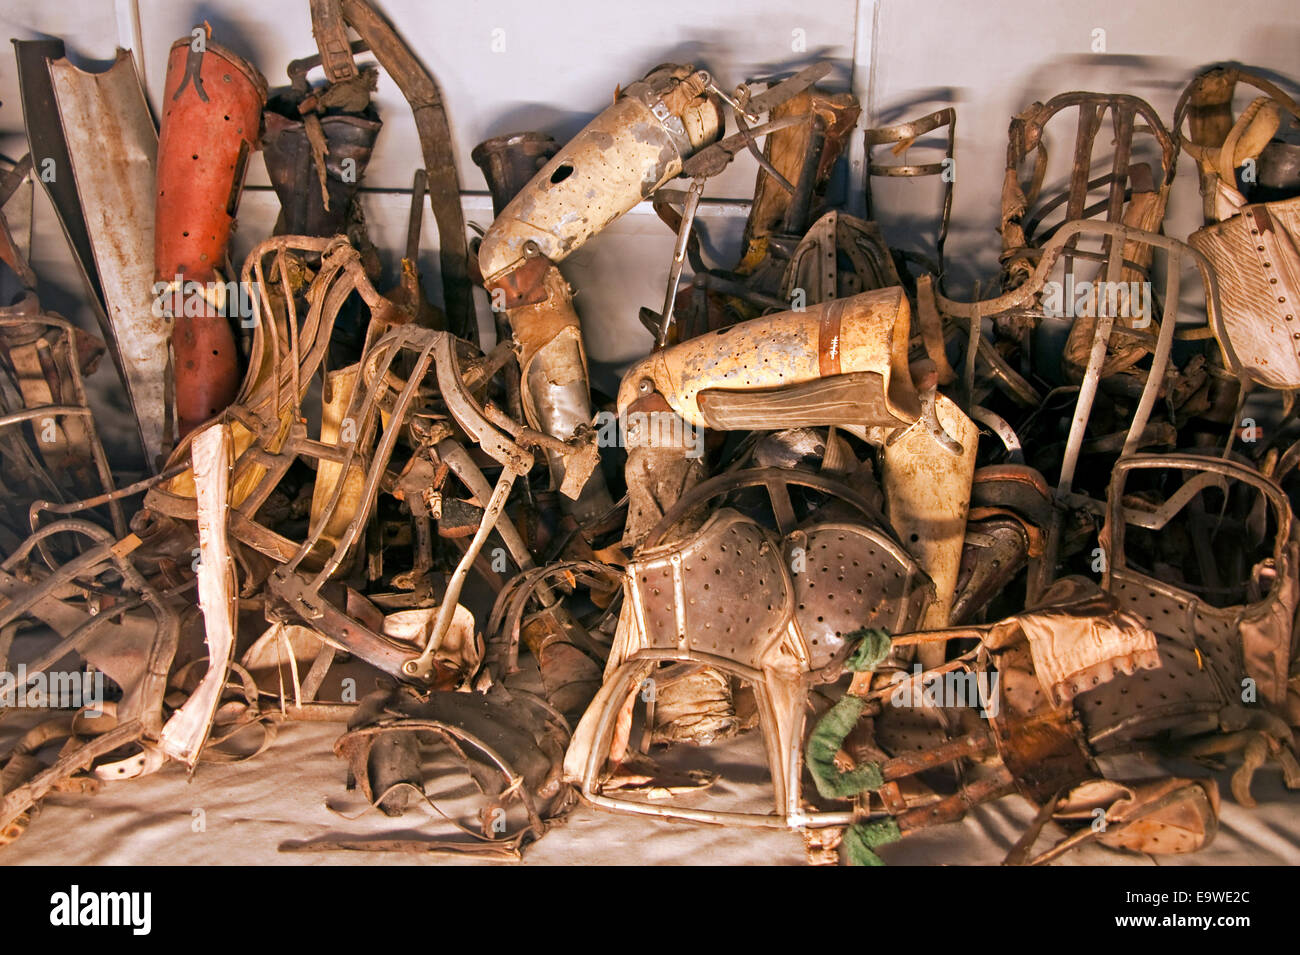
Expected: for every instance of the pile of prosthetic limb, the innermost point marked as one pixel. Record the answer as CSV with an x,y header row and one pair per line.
x,y
933,552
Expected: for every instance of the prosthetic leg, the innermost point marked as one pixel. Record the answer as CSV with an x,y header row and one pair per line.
x,y
841,363
620,158
211,123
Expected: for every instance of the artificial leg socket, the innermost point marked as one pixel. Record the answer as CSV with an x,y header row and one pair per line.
x,y
211,123
622,156
349,140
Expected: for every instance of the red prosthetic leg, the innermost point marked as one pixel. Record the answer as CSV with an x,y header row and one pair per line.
x,y
212,113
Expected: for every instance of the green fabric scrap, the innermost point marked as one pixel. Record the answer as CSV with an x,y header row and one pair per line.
x,y
826,741
862,838
874,647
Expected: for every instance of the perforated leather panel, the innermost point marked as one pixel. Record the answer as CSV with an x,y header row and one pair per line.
x,y
851,577
735,593
1179,695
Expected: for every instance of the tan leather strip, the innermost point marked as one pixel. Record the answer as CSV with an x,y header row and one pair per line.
x,y
931,323
828,339
330,29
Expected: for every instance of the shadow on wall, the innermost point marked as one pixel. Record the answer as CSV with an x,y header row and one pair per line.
x,y
234,36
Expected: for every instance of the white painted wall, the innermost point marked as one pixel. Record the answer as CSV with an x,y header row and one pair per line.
x,y
993,59
522,64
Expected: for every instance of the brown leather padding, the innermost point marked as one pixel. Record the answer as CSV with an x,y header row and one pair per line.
x,y
853,399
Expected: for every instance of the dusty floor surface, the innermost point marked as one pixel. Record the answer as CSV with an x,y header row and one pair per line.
x,y
244,811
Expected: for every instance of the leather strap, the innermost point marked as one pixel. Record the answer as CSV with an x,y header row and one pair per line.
x,y
193,73
421,91
931,324
331,32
